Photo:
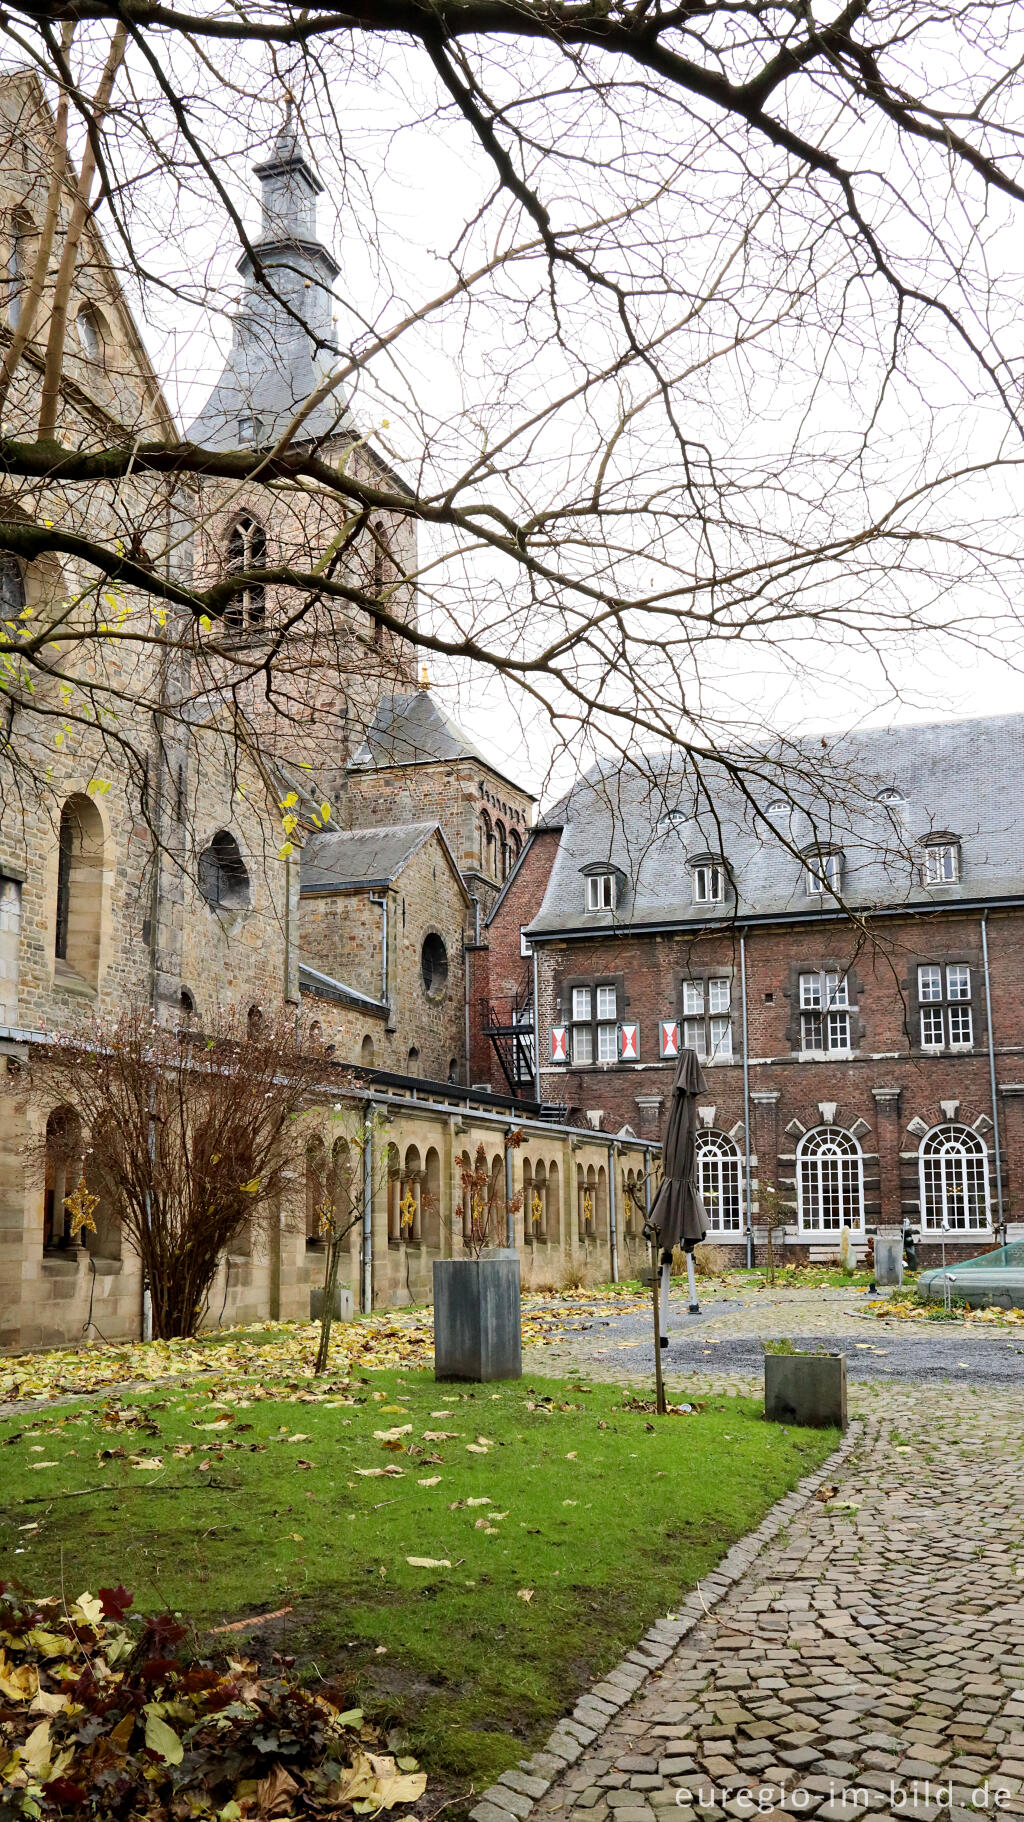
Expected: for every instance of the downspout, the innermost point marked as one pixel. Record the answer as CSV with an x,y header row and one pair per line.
x,y
367,1293
613,1228
746,1103
287,929
465,1008
992,1078
536,1026
510,1219
383,903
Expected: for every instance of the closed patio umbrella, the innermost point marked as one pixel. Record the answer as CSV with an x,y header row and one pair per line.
x,y
678,1214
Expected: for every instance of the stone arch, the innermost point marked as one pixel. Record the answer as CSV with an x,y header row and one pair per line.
x,y
105,1242
316,1190
62,1170
553,1212
247,552
81,845
431,1199
394,1178
340,1190
830,1181
367,1053
602,1203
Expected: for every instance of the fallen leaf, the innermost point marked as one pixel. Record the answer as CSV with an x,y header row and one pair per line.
x,y
378,1473
433,1481
428,1562
439,1435
827,1492
401,1429
524,1594
163,1740
484,1501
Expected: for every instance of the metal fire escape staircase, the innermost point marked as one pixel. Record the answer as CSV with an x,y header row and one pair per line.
x,y
510,1026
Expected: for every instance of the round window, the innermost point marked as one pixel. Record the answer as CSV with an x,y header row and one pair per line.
x,y
434,963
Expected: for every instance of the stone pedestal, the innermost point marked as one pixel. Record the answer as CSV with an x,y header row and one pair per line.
x,y
888,1259
344,1303
805,1389
477,1320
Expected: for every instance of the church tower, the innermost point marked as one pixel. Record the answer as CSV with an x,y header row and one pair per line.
x,y
284,340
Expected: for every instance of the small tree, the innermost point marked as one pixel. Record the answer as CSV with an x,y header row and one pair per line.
x,y
483,1192
339,1212
193,1133
772,1213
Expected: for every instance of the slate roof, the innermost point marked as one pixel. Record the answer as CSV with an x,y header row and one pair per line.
x,y
654,818
413,729
361,857
274,364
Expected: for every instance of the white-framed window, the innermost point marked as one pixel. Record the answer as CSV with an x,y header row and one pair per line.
x,y
708,883
707,1019
525,945
594,1024
718,1179
830,1181
825,1012
954,1179
942,863
823,873
944,998
601,892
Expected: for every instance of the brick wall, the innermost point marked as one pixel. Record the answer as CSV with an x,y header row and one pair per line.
x,y
499,972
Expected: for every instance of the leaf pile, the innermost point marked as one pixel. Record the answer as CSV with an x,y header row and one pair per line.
x,y
283,1351
102,1717
906,1308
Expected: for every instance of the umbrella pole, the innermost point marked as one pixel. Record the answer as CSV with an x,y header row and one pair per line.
x,y
692,1281
659,1382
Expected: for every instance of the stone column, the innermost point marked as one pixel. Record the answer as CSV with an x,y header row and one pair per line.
x,y
887,1120
649,1108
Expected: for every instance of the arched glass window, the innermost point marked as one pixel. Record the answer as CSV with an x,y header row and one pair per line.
x,y
830,1181
19,263
718,1178
247,550
12,586
223,880
79,888
954,1178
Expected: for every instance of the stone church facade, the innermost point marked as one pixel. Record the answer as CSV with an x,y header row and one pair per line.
x,y
143,863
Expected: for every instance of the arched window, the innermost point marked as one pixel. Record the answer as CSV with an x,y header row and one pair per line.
x,y
718,1178
343,1194
12,586
515,848
553,1212
954,1178
431,1199
93,332
19,264
103,1240
366,1052
247,550
830,1181
500,851
486,845
254,1024
223,880
63,1171
79,888
316,1191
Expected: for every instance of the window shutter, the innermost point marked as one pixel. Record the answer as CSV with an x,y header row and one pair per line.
x,y
668,1038
629,1043
559,1043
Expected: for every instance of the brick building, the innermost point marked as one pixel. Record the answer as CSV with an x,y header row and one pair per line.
x,y
844,953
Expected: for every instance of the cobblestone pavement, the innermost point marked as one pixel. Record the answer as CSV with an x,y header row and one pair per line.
x,y
726,1339
869,1659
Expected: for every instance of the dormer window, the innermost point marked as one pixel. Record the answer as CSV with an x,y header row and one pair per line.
x,y
249,429
942,862
247,551
823,873
601,892
709,883
891,795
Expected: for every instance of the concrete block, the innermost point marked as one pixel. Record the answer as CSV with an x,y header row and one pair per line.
x,y
344,1305
805,1389
888,1260
477,1321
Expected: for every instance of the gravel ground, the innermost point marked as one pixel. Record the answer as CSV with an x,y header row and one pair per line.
x,y
726,1339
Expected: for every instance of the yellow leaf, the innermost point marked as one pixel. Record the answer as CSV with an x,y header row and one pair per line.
x,y
20,1683
252,1186
401,1429
286,802
90,1609
325,811
48,1644
289,824
163,1740
205,622
285,850
35,1751
524,1594
50,1702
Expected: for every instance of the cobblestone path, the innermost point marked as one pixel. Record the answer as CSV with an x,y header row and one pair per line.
x,y
869,1659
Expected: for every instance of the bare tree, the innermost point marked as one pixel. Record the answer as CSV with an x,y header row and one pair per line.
x,y
192,1136
705,354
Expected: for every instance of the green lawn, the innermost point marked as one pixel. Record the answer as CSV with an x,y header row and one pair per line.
x,y
548,1488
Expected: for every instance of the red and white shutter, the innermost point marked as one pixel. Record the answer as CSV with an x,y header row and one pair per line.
x,y
559,1043
629,1043
668,1038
